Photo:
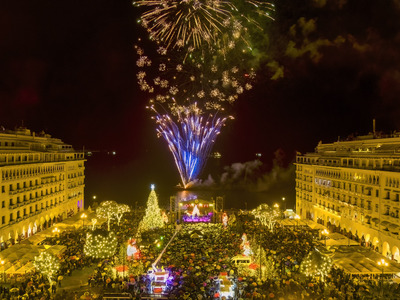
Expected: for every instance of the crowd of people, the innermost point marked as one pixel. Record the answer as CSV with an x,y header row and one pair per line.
x,y
196,259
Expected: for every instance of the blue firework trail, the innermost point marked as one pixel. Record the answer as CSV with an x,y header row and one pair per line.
x,y
190,140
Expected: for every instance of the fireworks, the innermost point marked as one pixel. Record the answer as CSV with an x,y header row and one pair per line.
x,y
190,139
197,24
207,83
201,66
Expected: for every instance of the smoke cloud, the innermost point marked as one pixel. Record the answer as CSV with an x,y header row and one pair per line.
x,y
254,176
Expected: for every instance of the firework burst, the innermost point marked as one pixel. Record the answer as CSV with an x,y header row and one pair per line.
x,y
190,138
199,24
200,68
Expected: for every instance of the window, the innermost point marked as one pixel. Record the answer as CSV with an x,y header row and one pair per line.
x,y
3,220
11,217
11,202
3,204
3,189
377,193
376,208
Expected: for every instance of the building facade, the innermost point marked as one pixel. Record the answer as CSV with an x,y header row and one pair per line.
x,y
354,187
42,182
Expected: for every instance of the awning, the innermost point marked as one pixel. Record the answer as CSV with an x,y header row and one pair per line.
x,y
385,223
394,227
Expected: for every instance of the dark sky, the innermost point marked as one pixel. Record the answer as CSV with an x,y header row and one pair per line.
x,y
68,68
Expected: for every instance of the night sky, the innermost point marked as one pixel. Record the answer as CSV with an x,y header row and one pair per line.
x,y
69,68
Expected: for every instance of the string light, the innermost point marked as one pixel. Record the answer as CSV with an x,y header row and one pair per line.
x,y
99,245
47,264
316,264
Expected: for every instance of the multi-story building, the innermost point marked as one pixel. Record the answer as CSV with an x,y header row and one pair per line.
x,y
354,187
42,182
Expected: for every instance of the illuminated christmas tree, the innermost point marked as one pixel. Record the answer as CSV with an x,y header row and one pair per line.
x,y
100,244
47,264
316,264
153,217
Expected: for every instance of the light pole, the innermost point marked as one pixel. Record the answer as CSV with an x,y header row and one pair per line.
x,y
297,218
276,206
83,217
4,271
284,202
259,253
56,231
382,263
325,233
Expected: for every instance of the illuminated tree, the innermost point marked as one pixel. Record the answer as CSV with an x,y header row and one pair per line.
x,y
153,217
266,215
266,264
47,264
100,244
121,210
316,264
107,210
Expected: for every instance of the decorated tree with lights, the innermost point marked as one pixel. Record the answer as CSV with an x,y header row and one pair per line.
x,y
265,263
108,210
47,264
266,215
153,217
121,210
316,264
100,244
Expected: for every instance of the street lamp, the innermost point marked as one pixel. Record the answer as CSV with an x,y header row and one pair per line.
x,y
4,270
382,263
325,233
83,217
55,231
297,218
284,202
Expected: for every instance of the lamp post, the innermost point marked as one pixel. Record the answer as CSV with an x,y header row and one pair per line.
x,y
382,263
284,202
83,217
297,218
259,253
325,233
56,231
4,271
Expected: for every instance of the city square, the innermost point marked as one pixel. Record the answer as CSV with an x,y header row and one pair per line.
x,y
199,149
